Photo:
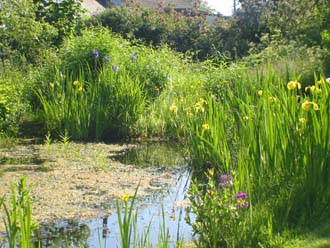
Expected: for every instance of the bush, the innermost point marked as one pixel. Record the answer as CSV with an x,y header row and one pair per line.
x,y
65,16
181,31
90,52
12,100
289,60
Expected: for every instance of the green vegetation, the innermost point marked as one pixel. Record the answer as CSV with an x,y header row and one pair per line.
x,y
18,222
248,97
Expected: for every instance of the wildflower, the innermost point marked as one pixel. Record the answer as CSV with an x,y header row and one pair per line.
x,y
307,105
303,121
210,192
106,59
243,204
241,195
174,108
316,106
246,118
226,181
80,88
75,83
211,171
226,184
51,85
133,57
299,131
199,107
188,113
96,54
115,68
226,176
313,89
260,92
125,197
205,126
308,88
272,99
202,101
293,84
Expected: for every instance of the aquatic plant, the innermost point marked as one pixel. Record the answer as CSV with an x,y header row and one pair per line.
x,y
18,216
127,221
101,109
277,144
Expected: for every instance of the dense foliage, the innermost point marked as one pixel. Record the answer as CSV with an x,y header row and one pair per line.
x,y
182,31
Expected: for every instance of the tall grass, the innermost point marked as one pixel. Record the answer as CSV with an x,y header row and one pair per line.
x,y
87,108
18,217
280,141
130,236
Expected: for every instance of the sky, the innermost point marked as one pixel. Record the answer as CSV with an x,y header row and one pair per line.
x,y
225,7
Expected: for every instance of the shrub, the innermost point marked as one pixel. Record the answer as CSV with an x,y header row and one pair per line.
x,y
182,31
290,60
12,100
65,16
90,52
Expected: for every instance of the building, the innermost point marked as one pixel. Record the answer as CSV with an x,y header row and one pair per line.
x,y
94,7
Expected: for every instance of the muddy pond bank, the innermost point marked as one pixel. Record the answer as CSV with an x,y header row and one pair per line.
x,y
74,186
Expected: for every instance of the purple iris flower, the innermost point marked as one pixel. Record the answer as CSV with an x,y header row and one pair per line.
x,y
133,58
115,68
96,54
106,59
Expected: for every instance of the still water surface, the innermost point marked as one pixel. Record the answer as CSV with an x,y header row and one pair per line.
x,y
171,198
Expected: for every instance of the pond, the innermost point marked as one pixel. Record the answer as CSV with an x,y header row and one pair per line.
x,y
103,231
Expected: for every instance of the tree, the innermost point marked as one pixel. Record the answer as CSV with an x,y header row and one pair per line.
x,y
21,35
65,16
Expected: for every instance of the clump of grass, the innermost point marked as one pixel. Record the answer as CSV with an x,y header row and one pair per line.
x,y
130,235
7,141
18,216
128,220
102,109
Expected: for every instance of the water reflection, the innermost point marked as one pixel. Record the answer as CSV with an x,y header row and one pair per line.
x,y
63,234
153,154
149,215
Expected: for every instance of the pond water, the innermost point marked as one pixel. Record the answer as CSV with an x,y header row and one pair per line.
x,y
104,231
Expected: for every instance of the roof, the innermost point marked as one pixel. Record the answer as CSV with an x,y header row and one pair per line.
x,y
92,7
176,4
